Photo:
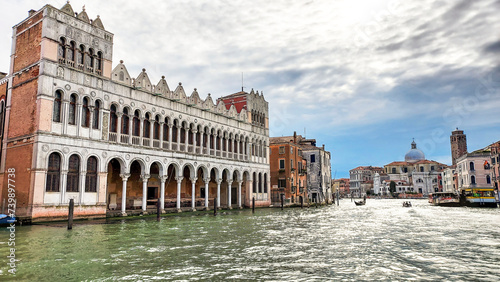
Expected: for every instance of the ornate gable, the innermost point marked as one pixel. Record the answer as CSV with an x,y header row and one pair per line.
x,y
83,16
162,88
67,9
179,93
97,22
208,104
194,99
120,74
142,82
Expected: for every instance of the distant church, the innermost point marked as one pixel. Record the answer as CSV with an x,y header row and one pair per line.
x,y
415,174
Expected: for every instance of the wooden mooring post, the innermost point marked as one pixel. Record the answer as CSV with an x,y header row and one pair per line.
x,y
215,206
253,205
158,210
70,213
301,202
282,197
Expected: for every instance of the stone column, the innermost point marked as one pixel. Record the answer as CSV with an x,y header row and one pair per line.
x,y
193,193
141,130
209,142
194,140
179,182
78,122
202,139
229,194
130,129
124,191
162,192
207,181
151,131
170,136
64,115
178,138
186,141
91,120
118,126
63,181
239,194
219,181
144,179
82,186
161,134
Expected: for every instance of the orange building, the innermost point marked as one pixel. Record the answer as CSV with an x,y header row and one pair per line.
x,y
288,170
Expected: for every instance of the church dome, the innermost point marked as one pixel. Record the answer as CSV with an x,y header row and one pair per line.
x,y
414,155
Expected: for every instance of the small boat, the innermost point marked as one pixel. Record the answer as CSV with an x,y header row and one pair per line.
x,y
5,219
360,203
444,199
478,197
407,204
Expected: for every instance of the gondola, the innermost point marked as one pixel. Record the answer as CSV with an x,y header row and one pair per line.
x,y
360,203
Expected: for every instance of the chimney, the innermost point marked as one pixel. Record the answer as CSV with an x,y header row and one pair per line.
x,y
295,137
323,147
31,12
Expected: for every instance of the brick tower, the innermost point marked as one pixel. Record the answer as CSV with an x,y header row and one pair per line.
x,y
458,142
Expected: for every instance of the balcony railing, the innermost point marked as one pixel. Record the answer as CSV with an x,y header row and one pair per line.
x,y
174,146
156,143
145,142
182,147
165,144
190,148
124,138
113,136
136,140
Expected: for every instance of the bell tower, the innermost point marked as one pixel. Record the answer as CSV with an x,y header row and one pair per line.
x,y
458,142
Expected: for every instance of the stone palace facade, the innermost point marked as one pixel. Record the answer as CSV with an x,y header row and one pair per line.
x,y
73,127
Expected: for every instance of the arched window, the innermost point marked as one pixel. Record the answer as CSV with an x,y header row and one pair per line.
x,y
91,177
190,136
71,51
73,174
146,126
265,183
53,173
254,183
156,128
99,61
85,112
56,113
122,76
165,130
89,60
2,117
72,110
113,119
471,165
61,51
97,109
125,121
136,125
81,56
488,179
393,170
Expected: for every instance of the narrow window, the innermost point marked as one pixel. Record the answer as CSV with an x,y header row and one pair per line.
x,y
91,177
56,115
313,158
72,110
472,179
61,52
53,173
156,128
99,61
146,126
282,164
73,174
85,112
81,56
113,119
471,165
97,109
125,121
393,170
165,130
137,124
488,179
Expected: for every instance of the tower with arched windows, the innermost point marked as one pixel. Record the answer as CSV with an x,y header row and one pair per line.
x,y
74,127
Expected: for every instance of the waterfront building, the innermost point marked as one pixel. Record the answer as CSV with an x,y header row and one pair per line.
x,y
458,142
402,187
288,170
495,164
422,174
361,179
74,127
449,177
474,169
342,185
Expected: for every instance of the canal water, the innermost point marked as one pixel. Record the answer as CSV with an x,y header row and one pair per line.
x,y
379,241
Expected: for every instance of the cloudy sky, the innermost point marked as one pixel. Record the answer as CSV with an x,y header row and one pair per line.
x,y
363,77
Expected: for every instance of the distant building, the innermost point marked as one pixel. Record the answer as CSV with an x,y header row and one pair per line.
x,y
361,179
341,185
458,142
288,170
474,169
422,174
495,164
449,177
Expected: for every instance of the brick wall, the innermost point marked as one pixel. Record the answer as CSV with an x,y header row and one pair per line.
x,y
23,103
28,43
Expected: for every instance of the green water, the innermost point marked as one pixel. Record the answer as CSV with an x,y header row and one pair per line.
x,y
381,241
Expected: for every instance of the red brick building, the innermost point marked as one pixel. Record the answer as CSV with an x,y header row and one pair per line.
x,y
288,170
